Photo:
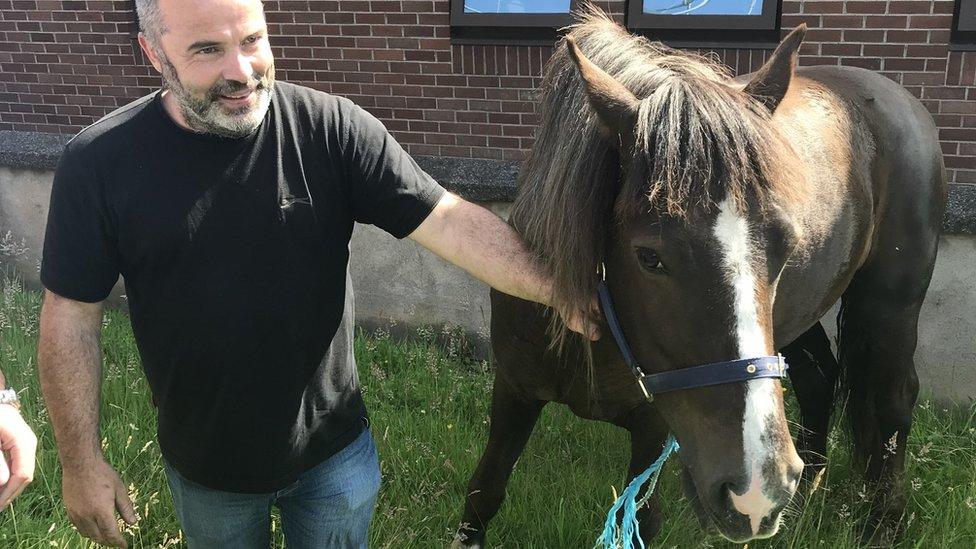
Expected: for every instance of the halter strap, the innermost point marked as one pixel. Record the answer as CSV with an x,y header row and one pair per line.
x,y
716,373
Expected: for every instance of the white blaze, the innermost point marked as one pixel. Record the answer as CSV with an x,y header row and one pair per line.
x,y
732,233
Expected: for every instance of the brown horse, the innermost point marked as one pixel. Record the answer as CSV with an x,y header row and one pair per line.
x,y
730,215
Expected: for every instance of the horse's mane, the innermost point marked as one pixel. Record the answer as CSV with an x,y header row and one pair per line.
x,y
699,138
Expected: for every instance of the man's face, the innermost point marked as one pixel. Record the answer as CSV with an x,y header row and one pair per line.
x,y
216,61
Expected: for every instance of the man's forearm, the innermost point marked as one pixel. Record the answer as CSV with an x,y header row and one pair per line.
x,y
479,242
69,364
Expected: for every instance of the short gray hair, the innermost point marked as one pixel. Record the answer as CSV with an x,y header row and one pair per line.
x,y
150,20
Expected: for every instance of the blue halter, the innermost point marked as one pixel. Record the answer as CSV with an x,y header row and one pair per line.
x,y
716,373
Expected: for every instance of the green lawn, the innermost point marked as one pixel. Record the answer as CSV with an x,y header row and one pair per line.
x,y
429,409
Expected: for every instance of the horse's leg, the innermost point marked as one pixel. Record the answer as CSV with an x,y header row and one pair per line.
x,y
512,421
878,335
813,371
647,435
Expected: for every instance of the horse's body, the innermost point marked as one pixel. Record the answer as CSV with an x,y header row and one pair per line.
x,y
869,215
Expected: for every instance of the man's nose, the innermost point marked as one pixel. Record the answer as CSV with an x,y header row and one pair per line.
x,y
239,68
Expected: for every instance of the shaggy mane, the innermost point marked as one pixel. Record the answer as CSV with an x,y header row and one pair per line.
x,y
699,139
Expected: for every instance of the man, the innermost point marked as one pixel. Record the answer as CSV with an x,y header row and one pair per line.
x,y
226,202
17,447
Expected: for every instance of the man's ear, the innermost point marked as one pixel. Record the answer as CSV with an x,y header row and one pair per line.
x,y
773,79
150,53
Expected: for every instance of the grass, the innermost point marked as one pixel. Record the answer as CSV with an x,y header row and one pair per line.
x,y
429,410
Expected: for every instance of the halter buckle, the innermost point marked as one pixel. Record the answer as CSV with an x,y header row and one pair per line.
x,y
647,395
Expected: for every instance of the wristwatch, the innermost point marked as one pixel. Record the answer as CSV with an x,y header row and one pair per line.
x,y
9,396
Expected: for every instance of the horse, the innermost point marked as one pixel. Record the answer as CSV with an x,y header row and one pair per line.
x,y
726,216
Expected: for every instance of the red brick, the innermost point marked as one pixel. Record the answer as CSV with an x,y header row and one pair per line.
x,y
81,52
964,176
950,148
935,65
922,79
896,64
842,49
958,134
960,162
886,22
884,50
967,76
944,92
930,21
909,36
872,63
818,7
843,21
943,6
866,35
910,7
927,50
472,117
957,107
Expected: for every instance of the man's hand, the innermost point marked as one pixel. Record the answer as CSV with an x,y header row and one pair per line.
x,y
583,322
17,447
92,495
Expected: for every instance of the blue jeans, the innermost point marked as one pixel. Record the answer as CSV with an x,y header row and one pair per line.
x,y
330,505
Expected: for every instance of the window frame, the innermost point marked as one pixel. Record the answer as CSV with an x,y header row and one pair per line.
x,y
963,36
769,20
965,13
461,19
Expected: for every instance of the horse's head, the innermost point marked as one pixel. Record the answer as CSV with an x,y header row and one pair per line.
x,y
693,263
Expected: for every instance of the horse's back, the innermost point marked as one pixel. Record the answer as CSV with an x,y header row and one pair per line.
x,y
907,177
876,183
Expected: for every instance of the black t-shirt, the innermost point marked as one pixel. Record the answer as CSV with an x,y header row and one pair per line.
x,y
234,254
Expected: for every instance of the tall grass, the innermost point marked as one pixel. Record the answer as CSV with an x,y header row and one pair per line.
x,y
428,403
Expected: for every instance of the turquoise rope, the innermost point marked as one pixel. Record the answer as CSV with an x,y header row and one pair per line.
x,y
620,536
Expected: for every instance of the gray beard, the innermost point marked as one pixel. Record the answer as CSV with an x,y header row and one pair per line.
x,y
207,116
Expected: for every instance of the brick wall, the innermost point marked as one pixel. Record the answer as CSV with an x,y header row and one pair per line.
x,y
64,63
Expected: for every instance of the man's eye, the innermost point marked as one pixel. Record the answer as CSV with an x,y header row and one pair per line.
x,y
208,50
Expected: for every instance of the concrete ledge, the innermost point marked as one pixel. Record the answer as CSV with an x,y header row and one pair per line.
x,y
31,150
476,179
960,217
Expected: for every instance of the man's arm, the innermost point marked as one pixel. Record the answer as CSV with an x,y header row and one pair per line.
x,y
476,240
18,441
69,362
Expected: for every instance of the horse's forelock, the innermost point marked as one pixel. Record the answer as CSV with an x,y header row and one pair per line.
x,y
703,141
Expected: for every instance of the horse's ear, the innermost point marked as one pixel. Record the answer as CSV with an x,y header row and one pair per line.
x,y
773,79
614,104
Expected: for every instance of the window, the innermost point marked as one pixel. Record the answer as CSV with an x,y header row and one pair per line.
x,y
703,14
516,6
695,22
509,21
964,26
725,23
966,16
511,13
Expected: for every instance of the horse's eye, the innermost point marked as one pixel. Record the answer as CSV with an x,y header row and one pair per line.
x,y
649,260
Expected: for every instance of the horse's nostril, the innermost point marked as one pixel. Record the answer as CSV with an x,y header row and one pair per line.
x,y
723,498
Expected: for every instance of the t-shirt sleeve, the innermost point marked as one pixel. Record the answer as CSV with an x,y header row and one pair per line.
x,y
386,186
79,259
